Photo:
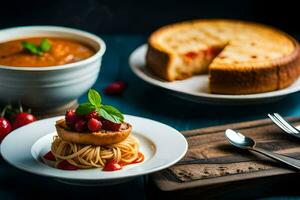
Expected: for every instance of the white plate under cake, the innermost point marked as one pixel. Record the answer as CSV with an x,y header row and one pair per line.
x,y
196,88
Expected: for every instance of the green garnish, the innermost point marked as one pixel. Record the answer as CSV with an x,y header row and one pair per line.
x,y
94,104
44,46
32,48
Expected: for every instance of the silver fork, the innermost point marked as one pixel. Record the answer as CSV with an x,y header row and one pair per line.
x,y
284,125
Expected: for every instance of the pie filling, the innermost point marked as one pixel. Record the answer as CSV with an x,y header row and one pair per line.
x,y
196,62
208,53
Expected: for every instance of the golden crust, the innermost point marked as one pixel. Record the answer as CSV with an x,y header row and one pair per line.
x,y
256,58
249,80
245,81
156,58
290,71
94,138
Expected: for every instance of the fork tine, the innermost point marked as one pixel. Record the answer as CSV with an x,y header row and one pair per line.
x,y
279,124
288,125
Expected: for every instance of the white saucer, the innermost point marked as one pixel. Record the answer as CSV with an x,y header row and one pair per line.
x,y
161,145
196,88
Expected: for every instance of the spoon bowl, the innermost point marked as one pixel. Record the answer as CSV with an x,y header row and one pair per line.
x,y
239,140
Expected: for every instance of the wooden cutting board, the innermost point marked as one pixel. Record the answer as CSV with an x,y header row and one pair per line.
x,y
212,160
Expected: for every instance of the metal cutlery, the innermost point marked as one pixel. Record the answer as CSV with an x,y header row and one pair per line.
x,y
239,140
284,125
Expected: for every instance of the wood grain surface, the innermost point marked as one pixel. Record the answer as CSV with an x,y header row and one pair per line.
x,y
211,159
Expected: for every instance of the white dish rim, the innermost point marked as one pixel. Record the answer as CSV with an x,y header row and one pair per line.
x,y
67,177
164,84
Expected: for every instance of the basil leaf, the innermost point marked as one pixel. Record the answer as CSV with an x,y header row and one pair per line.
x,y
94,98
85,108
105,114
111,113
45,45
32,48
108,116
106,111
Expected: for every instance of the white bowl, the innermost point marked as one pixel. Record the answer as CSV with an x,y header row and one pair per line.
x,y
53,86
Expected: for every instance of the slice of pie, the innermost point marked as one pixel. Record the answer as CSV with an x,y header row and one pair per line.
x,y
240,57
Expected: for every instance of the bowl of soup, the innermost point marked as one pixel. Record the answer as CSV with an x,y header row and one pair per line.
x,y
47,67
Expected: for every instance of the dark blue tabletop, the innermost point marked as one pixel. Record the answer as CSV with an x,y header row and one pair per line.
x,y
143,100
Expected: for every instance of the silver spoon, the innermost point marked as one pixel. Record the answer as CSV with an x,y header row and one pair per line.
x,y
239,140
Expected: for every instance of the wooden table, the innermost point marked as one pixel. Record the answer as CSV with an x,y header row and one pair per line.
x,y
143,100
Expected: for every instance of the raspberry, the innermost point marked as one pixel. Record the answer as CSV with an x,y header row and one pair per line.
x,y
94,125
70,118
80,125
111,126
115,88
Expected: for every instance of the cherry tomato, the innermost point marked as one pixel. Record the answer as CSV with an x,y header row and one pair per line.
x,y
49,156
65,165
5,128
22,119
112,166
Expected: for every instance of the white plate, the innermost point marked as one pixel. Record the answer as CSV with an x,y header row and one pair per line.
x,y
196,88
161,145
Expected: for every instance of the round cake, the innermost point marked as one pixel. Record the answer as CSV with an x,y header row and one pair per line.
x,y
240,57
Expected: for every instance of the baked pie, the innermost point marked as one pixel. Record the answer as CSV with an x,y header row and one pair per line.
x,y
240,57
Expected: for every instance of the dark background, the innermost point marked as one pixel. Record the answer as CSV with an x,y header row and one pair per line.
x,y
138,16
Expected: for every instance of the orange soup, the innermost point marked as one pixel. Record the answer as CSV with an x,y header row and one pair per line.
x,y
60,51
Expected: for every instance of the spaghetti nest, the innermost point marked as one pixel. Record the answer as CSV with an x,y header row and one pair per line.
x,y
89,156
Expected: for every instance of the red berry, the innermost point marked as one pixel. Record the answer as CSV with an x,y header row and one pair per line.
x,y
65,165
115,88
5,128
111,126
70,118
94,125
91,115
49,156
22,119
80,125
